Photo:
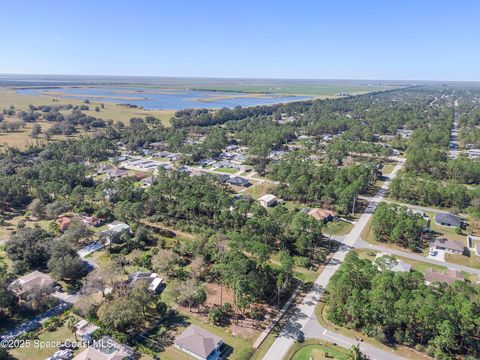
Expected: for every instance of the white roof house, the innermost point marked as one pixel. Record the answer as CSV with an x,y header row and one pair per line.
x,y
393,264
106,349
268,200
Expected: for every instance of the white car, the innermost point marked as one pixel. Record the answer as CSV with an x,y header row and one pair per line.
x,y
433,252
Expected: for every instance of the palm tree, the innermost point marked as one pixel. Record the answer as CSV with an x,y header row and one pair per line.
x,y
71,325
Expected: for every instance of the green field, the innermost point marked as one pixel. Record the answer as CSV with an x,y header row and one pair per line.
x,y
226,170
320,352
337,228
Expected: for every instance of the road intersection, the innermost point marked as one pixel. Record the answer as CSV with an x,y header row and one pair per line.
x,y
302,323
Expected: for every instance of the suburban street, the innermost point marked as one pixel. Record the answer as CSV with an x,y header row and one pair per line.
x,y
454,136
365,245
303,321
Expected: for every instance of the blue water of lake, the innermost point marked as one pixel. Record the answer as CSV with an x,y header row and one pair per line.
x,y
158,99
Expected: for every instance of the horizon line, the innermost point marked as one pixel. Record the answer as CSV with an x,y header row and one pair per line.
x,y
241,78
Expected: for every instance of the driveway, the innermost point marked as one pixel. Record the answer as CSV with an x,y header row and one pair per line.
x,y
36,322
439,255
66,297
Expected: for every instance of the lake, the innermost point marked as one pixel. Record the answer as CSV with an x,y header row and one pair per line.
x,y
158,99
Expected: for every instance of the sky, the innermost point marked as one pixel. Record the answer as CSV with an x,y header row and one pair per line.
x,y
300,39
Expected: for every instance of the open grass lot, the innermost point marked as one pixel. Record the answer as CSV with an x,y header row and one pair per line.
x,y
111,111
260,189
226,170
321,315
388,168
316,350
337,228
11,223
471,260
22,139
38,352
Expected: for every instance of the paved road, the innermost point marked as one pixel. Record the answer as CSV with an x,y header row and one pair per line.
x,y
410,206
303,319
314,330
365,245
36,322
454,136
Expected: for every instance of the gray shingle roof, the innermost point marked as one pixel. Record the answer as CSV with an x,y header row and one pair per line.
x,y
449,219
198,341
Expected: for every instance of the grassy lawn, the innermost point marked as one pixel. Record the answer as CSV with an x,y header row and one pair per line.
x,y
269,340
321,314
260,189
241,348
38,352
387,168
337,228
226,170
472,260
290,205
10,226
111,110
316,350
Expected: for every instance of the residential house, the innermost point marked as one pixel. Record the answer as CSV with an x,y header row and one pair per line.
x,y
156,284
323,214
448,276
26,284
114,230
207,162
240,158
226,164
422,214
199,343
227,155
116,172
103,168
222,177
197,172
391,263
148,181
84,330
61,355
106,349
474,153
157,145
268,200
451,246
90,220
449,220
239,181
232,147
175,157
63,223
